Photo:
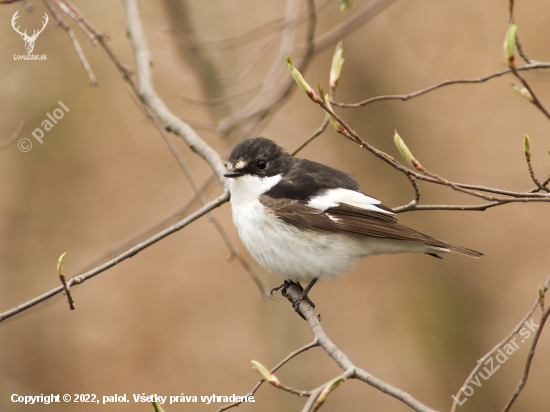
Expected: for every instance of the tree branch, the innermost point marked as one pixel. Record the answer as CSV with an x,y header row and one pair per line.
x,y
224,197
14,136
313,344
341,359
260,108
481,361
527,67
150,98
530,356
72,36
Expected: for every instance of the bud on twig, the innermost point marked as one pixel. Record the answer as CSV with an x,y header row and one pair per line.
x,y
345,4
265,373
299,79
336,66
523,91
326,390
337,126
405,152
320,88
541,297
510,45
60,264
157,407
61,275
527,147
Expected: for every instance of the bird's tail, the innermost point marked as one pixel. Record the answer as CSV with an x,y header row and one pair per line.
x,y
462,250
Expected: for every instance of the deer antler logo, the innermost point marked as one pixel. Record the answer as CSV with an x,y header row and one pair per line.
x,y
29,40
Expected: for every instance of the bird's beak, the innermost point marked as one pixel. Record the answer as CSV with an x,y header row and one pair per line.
x,y
233,173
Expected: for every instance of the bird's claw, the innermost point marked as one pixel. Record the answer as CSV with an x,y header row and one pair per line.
x,y
296,301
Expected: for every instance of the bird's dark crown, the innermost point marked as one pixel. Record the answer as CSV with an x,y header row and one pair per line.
x,y
259,157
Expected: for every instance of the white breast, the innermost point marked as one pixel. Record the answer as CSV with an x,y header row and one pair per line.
x,y
293,253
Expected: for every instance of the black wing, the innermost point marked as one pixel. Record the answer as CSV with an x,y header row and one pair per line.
x,y
353,220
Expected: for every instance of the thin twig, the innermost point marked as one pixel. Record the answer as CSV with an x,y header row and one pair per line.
x,y
276,26
313,136
196,188
356,21
261,108
66,291
482,360
313,344
534,99
473,190
413,204
250,61
532,173
293,292
72,36
150,98
511,20
223,198
530,356
222,101
14,136
479,208
314,403
78,19
176,215
527,67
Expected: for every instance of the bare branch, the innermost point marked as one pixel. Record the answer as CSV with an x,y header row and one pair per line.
x,y
473,190
72,36
274,26
530,356
481,361
310,139
370,11
293,292
263,106
224,100
234,251
534,99
511,20
480,208
313,344
75,15
315,402
99,38
192,51
152,100
77,280
531,172
527,67
14,136
175,216
250,61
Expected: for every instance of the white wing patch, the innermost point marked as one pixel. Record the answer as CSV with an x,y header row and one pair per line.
x,y
333,197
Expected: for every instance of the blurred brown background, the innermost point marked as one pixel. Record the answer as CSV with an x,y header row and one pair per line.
x,y
177,317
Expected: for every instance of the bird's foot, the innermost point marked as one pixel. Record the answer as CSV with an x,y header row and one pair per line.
x,y
297,300
283,286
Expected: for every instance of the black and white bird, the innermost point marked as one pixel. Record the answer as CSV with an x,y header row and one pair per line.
x,y
304,221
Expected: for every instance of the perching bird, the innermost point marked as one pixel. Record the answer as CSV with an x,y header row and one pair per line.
x,y
304,221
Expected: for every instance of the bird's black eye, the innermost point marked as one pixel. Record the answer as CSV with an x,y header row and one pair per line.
x,y
261,164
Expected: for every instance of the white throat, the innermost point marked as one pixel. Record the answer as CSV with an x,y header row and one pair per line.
x,y
249,188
